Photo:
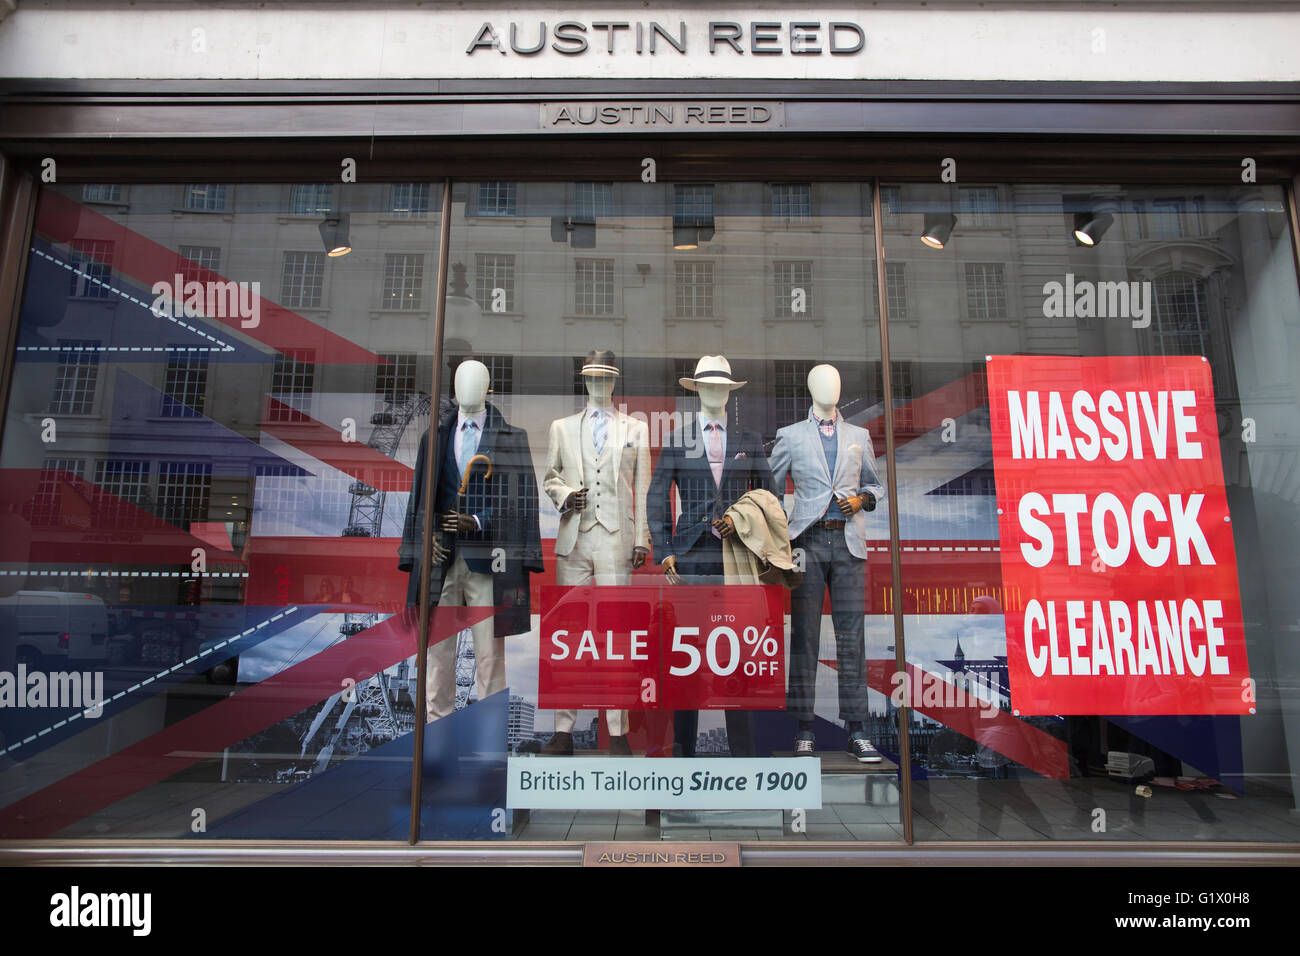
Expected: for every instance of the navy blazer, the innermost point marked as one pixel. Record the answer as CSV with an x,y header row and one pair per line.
x,y
684,462
507,507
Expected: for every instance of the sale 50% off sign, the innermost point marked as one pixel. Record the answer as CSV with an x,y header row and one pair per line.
x,y
676,647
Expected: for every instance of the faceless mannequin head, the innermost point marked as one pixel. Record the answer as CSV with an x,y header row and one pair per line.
x,y
713,398
824,387
599,389
472,380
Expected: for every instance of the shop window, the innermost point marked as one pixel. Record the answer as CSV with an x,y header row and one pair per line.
x,y
593,290
793,289
693,285
185,384
92,270
497,199
293,379
199,258
311,199
205,197
183,491
491,272
409,200
302,280
76,377
986,291
792,202
403,282
978,206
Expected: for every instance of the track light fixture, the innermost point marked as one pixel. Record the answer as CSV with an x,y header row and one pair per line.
x,y
1089,227
334,236
938,229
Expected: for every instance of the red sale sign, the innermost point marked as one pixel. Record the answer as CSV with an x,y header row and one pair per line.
x,y
672,648
1116,539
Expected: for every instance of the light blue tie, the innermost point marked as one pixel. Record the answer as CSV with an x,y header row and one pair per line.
x,y
468,442
598,430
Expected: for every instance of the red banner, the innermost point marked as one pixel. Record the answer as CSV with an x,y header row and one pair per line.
x,y
1115,529
671,648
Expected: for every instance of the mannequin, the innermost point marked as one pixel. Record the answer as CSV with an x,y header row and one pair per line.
x,y
832,465
598,471
711,463
486,542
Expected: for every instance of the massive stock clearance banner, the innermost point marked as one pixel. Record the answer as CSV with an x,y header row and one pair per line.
x,y
1115,535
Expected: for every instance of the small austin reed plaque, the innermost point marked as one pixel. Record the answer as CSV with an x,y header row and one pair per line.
x,y
661,854
607,115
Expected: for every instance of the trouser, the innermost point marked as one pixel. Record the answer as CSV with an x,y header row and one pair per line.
x,y
463,587
598,557
706,568
828,563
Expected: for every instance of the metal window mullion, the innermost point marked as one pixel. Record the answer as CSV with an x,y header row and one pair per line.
x,y
895,545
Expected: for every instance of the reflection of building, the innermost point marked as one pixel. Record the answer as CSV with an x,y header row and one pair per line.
x,y
519,721
991,674
713,742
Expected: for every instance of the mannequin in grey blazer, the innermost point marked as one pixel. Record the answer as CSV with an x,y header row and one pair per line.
x,y
835,488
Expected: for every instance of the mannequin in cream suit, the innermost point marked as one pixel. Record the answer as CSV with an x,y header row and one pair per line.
x,y
598,471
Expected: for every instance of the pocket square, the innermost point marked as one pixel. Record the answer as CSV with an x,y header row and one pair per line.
x,y
741,454
856,448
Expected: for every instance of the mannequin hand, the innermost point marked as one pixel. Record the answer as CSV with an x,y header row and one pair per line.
x,y
639,556
577,500
725,526
455,523
850,505
438,554
670,570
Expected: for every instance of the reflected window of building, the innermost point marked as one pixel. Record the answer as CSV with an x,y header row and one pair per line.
x,y
292,381
311,199
92,269
123,487
47,504
497,199
409,200
693,284
302,280
891,204
205,197
76,377
792,202
185,383
197,259
793,289
1167,218
403,282
986,291
1182,317
183,491
693,204
493,271
593,289
395,376
592,201
101,192
790,386
896,289
978,206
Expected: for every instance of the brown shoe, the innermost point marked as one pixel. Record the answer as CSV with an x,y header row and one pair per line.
x,y
560,745
619,747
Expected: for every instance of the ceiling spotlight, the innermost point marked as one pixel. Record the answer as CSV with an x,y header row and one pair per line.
x,y
938,227
1089,227
334,236
686,237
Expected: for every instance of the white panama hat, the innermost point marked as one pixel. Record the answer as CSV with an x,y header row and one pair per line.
x,y
711,370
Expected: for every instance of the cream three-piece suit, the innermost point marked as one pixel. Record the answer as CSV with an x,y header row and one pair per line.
x,y
595,545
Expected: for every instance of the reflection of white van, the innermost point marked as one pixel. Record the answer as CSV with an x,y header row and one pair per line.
x,y
58,625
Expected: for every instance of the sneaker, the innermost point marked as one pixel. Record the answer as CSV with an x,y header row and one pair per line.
x,y
805,744
619,747
561,745
860,747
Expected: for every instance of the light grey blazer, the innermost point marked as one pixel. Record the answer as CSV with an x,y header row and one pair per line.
x,y
798,453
